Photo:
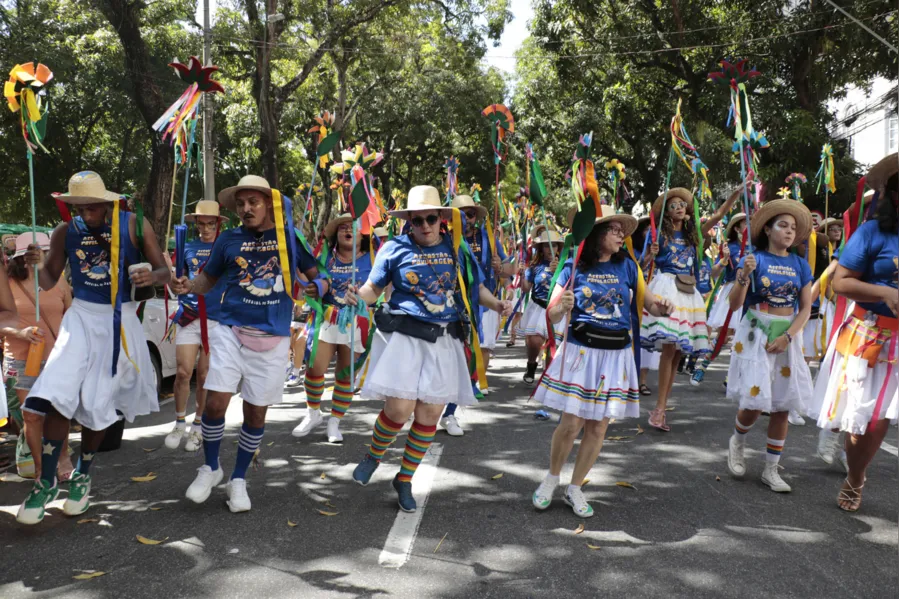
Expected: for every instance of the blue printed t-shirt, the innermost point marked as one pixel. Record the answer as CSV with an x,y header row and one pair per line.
x,y
704,282
675,256
876,255
483,258
89,262
254,293
540,277
602,293
342,276
196,254
779,280
424,278
730,269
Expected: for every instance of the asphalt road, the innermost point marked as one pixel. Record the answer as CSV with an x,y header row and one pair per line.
x,y
684,529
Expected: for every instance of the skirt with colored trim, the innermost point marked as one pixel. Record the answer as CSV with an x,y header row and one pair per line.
x,y
685,326
650,359
811,333
849,393
408,368
720,307
596,383
764,381
533,322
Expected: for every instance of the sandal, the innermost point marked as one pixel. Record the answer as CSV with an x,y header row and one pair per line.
x,y
847,496
657,420
645,390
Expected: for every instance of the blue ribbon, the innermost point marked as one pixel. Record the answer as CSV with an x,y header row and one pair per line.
x,y
180,244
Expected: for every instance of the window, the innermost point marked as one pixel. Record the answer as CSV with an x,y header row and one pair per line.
x,y
893,133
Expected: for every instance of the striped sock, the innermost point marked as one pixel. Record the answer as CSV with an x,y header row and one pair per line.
x,y
213,432
198,419
775,448
741,429
247,443
342,398
382,436
180,421
417,443
315,388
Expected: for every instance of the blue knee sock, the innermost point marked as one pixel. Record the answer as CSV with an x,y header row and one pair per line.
x,y
450,410
247,444
213,431
50,451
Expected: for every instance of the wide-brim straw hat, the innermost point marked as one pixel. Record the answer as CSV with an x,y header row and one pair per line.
x,y
628,222
548,236
673,193
87,187
463,201
227,196
26,239
734,221
880,173
422,198
205,208
775,208
822,228
380,232
331,228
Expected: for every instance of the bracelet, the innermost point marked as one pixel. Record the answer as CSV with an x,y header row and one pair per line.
x,y
788,336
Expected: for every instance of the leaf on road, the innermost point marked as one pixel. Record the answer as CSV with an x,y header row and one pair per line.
x,y
269,444
323,476
324,513
584,484
146,541
639,430
329,504
669,409
579,529
88,575
291,524
626,485
496,476
440,543
86,520
155,509
718,478
144,479
149,449
616,438
594,547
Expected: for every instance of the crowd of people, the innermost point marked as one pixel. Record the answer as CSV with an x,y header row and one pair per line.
x,y
411,318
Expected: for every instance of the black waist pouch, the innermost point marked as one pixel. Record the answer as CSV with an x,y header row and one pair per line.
x,y
599,338
413,327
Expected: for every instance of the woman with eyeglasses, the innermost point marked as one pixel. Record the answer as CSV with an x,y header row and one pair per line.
x,y
674,251
597,380
334,336
547,245
417,363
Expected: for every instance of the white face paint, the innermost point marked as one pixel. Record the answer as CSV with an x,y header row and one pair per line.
x,y
781,232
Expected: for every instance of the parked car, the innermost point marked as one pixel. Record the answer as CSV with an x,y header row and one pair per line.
x,y
162,352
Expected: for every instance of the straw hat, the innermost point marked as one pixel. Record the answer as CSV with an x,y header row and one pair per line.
x,y
26,239
673,193
548,236
463,201
335,223
737,219
380,232
822,228
774,208
227,197
628,222
879,174
205,208
87,187
422,197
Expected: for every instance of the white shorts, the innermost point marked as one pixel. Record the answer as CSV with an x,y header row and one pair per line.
x,y
190,335
330,333
490,327
77,379
260,375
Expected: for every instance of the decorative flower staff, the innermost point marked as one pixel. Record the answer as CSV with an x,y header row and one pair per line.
x,y
616,178
501,123
327,139
452,182
24,92
795,181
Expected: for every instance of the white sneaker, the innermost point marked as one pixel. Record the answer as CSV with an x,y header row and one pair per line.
x,y
574,497
736,461
828,443
194,440
795,418
173,439
771,477
543,496
312,419
206,480
451,426
238,500
485,392
334,435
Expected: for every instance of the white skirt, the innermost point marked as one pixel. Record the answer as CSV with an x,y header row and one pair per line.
x,y
720,308
763,381
685,326
409,368
490,328
650,359
596,384
847,390
330,333
77,379
533,322
811,333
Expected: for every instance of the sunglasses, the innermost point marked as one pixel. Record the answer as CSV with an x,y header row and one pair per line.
x,y
470,214
418,221
676,205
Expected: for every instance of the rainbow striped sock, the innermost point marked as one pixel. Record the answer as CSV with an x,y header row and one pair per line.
x,y
741,429
417,443
775,448
382,436
315,388
342,398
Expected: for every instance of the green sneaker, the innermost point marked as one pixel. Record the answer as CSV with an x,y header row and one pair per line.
x,y
33,508
79,494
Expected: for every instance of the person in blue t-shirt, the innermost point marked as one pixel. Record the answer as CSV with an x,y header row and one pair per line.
x,y
768,372
249,349
188,341
547,245
593,377
333,336
857,391
89,375
417,362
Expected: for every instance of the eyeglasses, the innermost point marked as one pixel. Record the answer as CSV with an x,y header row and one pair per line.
x,y
431,219
616,230
676,205
345,228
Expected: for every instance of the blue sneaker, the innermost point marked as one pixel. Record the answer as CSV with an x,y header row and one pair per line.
x,y
293,379
725,383
697,377
362,473
404,495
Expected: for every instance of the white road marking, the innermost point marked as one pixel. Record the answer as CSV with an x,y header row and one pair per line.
x,y
402,535
890,448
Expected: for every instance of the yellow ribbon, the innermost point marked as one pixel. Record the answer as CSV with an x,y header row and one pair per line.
x,y
813,251
476,345
115,250
282,245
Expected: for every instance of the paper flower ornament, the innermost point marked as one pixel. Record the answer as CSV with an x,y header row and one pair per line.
x,y
24,93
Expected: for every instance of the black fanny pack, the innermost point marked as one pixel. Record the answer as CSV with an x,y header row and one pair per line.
x,y
599,338
413,327
540,302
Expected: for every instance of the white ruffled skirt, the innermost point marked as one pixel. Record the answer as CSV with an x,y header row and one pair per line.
x,y
533,322
685,326
720,307
650,359
812,346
